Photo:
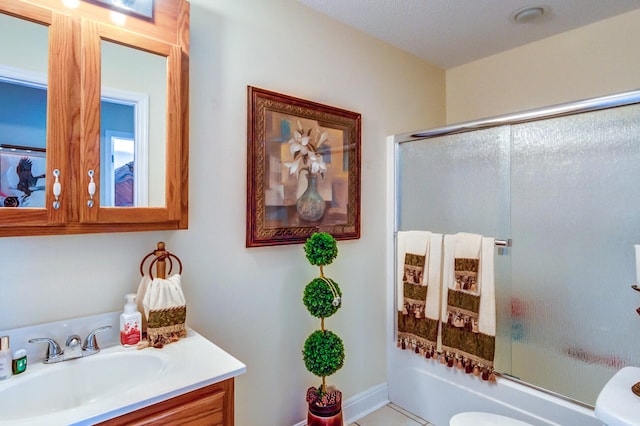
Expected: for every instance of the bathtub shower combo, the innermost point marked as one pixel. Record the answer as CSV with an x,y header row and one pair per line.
x,y
558,188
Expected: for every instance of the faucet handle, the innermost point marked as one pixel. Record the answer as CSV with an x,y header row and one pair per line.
x,y
90,345
54,352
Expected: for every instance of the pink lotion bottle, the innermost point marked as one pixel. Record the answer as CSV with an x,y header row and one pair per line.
x,y
130,322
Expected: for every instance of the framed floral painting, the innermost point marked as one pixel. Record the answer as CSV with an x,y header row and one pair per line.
x,y
303,170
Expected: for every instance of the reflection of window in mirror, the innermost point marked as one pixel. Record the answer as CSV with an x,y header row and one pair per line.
x,y
134,100
23,112
118,170
123,165
123,149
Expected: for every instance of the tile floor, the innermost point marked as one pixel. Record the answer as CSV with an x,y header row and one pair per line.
x,y
391,415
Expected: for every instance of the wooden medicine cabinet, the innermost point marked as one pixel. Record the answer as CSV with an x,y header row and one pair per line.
x,y
93,118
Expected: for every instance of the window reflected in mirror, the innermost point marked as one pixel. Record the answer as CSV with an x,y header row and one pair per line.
x,y
132,127
123,162
23,112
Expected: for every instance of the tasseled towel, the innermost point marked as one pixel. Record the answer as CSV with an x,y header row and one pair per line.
x,y
166,310
419,256
468,304
142,290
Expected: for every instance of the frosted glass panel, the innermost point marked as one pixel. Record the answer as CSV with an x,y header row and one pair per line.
x,y
445,182
575,197
460,183
567,192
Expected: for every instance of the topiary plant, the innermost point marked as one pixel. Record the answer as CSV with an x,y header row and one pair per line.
x,y
321,248
322,297
323,351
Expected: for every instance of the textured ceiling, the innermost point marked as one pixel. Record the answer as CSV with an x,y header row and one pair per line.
x,y
453,32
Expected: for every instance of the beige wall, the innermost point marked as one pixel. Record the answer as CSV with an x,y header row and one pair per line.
x,y
249,301
595,60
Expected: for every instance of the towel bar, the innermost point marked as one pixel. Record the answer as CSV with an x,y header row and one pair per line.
x,y
498,243
161,255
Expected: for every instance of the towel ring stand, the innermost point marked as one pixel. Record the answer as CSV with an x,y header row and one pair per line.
x,y
161,255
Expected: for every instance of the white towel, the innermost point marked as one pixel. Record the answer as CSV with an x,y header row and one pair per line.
x,y
434,277
413,242
468,313
142,291
448,277
419,289
165,308
487,313
461,245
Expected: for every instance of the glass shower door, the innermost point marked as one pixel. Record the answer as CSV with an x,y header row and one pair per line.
x,y
575,217
460,183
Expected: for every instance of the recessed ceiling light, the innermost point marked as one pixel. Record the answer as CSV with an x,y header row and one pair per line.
x,y
528,14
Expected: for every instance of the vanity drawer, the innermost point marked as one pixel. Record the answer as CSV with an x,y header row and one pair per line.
x,y
211,405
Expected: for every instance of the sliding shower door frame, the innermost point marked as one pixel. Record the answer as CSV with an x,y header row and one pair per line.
x,y
393,181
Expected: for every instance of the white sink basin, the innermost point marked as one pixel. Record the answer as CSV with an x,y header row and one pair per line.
x,y
116,381
617,405
71,384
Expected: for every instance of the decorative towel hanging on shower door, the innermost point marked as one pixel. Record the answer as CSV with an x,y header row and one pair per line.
x,y
468,304
446,299
419,254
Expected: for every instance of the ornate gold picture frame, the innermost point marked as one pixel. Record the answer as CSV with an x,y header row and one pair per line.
x,y
303,170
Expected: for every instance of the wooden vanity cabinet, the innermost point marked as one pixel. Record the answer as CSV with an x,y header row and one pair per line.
x,y
73,141
209,406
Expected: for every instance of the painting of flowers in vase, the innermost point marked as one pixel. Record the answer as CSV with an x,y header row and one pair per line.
x,y
304,170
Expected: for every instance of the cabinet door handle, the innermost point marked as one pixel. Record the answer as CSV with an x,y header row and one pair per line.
x,y
57,189
92,189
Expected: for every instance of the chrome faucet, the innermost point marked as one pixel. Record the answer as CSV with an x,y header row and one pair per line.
x,y
74,348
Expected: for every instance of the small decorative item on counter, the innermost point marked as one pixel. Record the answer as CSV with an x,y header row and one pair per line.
x,y
5,358
19,363
166,311
164,308
130,322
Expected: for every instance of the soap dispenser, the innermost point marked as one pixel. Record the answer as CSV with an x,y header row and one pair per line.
x,y
130,322
5,358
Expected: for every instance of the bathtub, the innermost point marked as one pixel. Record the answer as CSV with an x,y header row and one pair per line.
x,y
436,393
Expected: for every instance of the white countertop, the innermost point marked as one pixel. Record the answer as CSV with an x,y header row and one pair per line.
x,y
192,363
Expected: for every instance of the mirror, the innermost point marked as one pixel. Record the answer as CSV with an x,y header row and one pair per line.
x,y
23,112
133,136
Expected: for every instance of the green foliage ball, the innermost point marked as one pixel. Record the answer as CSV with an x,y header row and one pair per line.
x,y
321,248
323,353
319,299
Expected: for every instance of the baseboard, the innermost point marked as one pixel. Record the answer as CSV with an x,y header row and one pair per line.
x,y
362,404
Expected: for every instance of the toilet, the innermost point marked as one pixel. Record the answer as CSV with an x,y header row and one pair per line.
x,y
477,418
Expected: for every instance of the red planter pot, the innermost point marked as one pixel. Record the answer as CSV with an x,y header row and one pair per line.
x,y
326,411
